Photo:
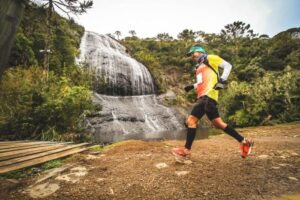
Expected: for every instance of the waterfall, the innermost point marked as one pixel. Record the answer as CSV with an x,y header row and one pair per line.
x,y
125,90
113,67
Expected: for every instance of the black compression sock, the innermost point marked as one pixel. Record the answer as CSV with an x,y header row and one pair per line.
x,y
191,133
233,133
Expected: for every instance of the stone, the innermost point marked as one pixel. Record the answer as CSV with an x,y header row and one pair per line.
x,y
161,165
90,157
275,167
181,173
263,156
293,178
51,173
42,190
74,176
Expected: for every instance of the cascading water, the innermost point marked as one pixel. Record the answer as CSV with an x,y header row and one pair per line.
x,y
116,72
126,93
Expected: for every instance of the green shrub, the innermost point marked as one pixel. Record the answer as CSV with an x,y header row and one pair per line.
x,y
32,107
275,95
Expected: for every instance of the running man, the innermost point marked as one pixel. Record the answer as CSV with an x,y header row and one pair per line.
x,y
208,84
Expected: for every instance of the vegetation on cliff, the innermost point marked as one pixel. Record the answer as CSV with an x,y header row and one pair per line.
x,y
40,104
264,82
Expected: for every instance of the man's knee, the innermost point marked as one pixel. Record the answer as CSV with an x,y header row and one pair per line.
x,y
192,121
218,123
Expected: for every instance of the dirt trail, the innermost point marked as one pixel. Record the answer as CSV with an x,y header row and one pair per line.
x,y
147,170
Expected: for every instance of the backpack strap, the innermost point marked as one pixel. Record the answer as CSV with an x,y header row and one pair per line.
x,y
205,61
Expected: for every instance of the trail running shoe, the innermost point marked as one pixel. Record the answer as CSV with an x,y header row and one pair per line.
x,y
246,147
181,152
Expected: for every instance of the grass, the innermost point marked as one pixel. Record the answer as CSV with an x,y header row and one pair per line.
x,y
108,147
52,164
96,148
34,170
101,148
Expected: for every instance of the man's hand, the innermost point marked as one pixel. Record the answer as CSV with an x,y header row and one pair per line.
x,y
220,85
188,88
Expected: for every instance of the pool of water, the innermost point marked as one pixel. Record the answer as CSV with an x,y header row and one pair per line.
x,y
202,133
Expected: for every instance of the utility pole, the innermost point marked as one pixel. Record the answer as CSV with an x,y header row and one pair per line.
x,y
46,53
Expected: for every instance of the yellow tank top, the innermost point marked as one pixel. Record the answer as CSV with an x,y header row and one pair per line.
x,y
209,77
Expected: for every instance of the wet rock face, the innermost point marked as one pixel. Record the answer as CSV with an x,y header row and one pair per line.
x,y
116,72
124,89
131,117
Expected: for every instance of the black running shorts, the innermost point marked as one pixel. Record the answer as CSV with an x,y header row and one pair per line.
x,y
206,105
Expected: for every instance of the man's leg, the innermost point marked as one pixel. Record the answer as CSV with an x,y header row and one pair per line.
x,y
192,121
191,132
197,113
245,144
184,152
213,114
219,123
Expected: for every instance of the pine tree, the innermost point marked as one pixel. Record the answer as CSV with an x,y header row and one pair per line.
x,y
132,32
118,34
67,7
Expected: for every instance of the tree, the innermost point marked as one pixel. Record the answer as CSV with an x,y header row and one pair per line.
x,y
67,7
10,16
238,29
164,37
30,39
199,35
22,52
264,36
239,35
118,34
132,33
187,35
283,50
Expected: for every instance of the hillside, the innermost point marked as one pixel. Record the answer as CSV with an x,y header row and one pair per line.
x,y
263,83
147,170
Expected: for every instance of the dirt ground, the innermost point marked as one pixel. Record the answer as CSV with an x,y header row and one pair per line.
x,y
147,170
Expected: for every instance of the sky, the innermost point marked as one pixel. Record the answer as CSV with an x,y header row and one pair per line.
x,y
150,17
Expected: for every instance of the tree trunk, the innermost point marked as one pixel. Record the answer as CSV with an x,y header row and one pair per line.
x,y
10,15
47,39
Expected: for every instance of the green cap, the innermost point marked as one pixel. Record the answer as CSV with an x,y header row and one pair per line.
x,y
196,48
